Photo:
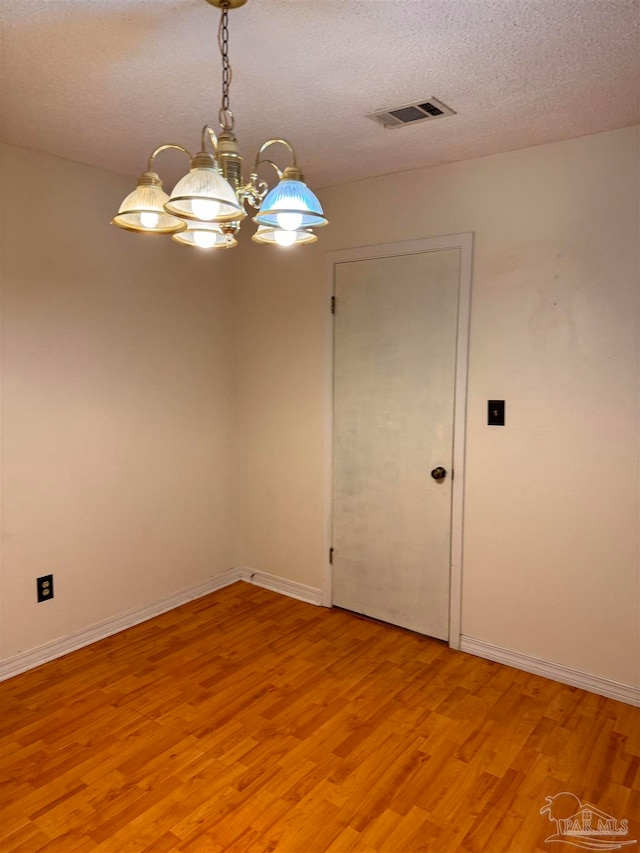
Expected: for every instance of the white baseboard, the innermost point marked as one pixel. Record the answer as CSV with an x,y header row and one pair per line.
x,y
554,671
292,589
49,651
77,640
311,595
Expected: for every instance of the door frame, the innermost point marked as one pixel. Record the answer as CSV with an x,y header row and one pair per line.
x,y
463,242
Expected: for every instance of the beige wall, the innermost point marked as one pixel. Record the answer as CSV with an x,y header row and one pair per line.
x,y
551,504
141,392
118,441
280,411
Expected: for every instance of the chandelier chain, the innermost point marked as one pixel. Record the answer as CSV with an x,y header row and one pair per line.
x,y
225,115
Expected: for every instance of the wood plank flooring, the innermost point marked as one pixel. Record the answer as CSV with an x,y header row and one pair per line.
x,y
247,721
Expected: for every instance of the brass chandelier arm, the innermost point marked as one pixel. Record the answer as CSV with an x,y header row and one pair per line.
x,y
256,189
291,172
278,170
161,148
209,132
266,145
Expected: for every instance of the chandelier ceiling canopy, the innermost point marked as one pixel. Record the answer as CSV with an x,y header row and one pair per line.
x,y
207,205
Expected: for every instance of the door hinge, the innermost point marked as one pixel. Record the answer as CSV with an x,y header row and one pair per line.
x,y
331,556
333,305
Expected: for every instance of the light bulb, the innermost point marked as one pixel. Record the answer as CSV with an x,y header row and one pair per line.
x,y
284,238
204,239
289,221
205,208
149,220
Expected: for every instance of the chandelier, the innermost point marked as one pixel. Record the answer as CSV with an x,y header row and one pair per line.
x,y
207,205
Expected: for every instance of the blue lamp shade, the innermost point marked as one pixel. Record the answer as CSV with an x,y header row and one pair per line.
x,y
290,206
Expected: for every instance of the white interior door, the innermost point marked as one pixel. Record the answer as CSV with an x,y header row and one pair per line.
x,y
395,336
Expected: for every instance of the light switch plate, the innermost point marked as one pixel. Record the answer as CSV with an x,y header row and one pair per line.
x,y
495,412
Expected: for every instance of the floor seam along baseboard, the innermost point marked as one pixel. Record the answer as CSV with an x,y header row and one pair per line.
x,y
554,671
32,658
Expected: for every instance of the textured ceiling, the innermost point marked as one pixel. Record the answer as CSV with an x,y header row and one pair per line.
x,y
103,82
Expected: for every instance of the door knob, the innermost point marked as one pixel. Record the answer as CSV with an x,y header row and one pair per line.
x,y
439,473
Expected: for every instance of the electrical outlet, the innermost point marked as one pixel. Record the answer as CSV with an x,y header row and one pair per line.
x,y
45,587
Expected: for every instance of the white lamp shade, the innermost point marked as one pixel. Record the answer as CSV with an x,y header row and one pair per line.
x,y
205,235
143,211
204,194
280,237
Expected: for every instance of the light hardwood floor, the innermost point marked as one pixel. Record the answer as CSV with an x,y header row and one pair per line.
x,y
247,721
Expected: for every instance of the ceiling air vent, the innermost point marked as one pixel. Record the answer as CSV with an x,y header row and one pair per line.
x,y
425,110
